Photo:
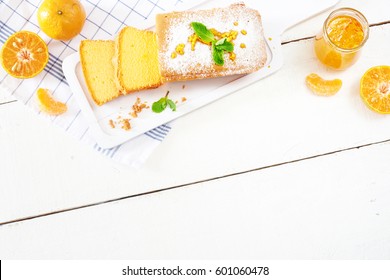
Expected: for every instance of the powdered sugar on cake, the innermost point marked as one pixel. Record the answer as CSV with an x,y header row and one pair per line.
x,y
199,63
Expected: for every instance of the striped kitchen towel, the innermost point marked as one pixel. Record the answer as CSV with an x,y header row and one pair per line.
x,y
104,19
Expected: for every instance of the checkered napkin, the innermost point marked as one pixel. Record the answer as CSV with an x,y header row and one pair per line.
x,y
104,19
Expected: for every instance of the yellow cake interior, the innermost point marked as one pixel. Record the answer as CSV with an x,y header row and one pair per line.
x,y
137,65
99,72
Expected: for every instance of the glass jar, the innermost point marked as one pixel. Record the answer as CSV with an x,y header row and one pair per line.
x,y
343,35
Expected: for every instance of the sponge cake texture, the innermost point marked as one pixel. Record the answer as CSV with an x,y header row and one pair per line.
x,y
99,73
136,60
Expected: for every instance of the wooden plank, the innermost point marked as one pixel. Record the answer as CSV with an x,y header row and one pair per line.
x,y
268,123
5,96
333,207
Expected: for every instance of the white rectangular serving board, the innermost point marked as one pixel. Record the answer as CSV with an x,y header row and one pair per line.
x,y
197,93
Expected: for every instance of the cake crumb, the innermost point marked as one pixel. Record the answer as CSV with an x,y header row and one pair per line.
x,y
243,32
242,46
183,86
126,124
138,107
235,23
111,123
183,99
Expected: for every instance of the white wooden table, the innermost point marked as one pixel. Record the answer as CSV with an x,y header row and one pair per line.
x,y
269,172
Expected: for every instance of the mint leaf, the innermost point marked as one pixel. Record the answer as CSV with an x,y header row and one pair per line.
x,y
156,107
171,104
159,106
218,47
225,46
220,42
202,32
218,56
163,102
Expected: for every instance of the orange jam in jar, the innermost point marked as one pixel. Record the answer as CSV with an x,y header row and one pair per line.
x,y
344,34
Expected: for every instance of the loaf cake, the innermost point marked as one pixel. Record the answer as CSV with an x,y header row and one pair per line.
x,y
136,60
140,59
96,62
183,56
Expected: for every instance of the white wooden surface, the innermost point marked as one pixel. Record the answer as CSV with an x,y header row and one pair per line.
x,y
332,206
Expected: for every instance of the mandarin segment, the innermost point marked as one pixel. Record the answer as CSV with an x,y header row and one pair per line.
x,y
375,89
322,87
24,55
48,104
333,59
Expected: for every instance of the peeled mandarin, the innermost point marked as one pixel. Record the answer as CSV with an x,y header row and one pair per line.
x,y
375,89
48,104
24,55
322,87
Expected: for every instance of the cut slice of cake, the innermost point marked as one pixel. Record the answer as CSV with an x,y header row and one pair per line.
x,y
136,60
183,55
99,73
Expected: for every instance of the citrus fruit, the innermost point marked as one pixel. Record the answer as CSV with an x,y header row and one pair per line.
x,y
333,59
375,89
323,87
47,103
345,32
61,19
24,55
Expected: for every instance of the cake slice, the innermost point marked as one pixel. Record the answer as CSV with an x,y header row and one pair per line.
x,y
136,60
184,56
96,61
